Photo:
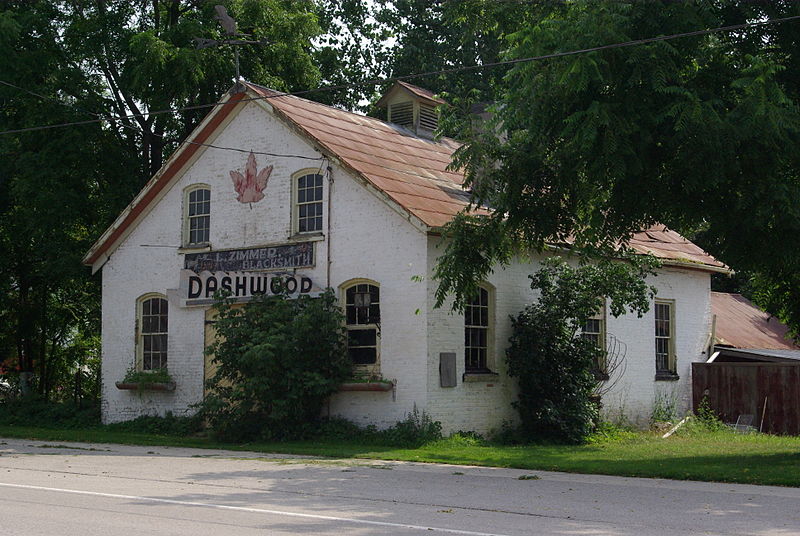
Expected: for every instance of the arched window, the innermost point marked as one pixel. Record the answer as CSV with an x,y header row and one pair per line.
x,y
307,201
153,323
363,314
478,317
197,216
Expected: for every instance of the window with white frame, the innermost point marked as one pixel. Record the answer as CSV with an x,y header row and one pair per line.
x,y
308,202
477,332
363,314
595,330
153,314
665,337
197,216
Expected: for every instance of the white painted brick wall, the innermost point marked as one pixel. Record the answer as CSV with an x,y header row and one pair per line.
x,y
368,239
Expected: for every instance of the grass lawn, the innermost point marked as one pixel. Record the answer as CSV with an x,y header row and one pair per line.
x,y
692,455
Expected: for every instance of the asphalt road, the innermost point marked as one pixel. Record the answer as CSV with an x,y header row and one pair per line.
x,y
49,488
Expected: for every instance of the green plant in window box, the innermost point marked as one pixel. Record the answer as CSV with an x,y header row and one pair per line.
x,y
146,379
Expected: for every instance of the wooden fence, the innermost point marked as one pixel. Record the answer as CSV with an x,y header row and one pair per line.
x,y
770,392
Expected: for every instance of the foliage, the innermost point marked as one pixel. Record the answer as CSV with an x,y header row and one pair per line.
x,y
606,432
706,417
169,424
665,408
553,365
277,361
416,429
35,411
697,133
146,377
65,62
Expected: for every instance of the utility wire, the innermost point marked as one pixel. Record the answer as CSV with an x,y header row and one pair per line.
x,y
463,68
140,131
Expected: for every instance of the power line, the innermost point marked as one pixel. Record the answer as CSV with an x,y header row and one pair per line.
x,y
140,131
463,68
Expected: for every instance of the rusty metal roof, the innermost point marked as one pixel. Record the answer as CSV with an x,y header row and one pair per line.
x,y
743,325
409,171
668,245
412,170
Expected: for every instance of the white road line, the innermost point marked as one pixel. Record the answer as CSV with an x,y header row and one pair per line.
x,y
253,510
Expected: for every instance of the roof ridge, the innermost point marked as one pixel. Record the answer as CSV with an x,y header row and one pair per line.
x,y
334,108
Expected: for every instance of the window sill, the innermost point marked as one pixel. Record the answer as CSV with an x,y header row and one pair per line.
x,y
136,386
194,249
667,377
366,386
307,237
473,377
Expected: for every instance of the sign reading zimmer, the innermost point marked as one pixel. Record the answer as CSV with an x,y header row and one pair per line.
x,y
200,288
252,259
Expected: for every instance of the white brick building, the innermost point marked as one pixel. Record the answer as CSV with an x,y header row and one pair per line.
x,y
355,204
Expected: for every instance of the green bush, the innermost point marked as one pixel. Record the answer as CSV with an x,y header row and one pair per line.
x,y
416,429
413,431
554,365
169,424
34,411
278,360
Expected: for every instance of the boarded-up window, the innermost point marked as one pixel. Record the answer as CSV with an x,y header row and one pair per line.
x,y
363,313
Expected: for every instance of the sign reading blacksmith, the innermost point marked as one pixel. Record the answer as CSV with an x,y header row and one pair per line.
x,y
252,259
201,288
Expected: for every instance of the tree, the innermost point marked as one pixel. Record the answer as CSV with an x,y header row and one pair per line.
x,y
72,61
556,367
697,133
278,360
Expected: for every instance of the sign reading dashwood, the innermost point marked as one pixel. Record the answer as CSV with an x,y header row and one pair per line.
x,y
260,259
200,288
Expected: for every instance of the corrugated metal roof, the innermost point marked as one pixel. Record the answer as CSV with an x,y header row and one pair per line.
x,y
412,170
669,245
743,325
761,355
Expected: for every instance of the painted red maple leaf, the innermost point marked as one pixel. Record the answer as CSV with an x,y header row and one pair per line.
x,y
250,185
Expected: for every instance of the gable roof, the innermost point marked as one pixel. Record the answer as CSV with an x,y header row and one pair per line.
x,y
743,325
408,171
419,92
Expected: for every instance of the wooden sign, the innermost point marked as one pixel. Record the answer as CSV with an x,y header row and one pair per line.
x,y
262,259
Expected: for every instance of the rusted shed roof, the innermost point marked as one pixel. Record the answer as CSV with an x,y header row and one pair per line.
x,y
417,91
409,169
670,246
743,325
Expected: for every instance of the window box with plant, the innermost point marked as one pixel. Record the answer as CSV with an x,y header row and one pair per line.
x,y
146,380
370,382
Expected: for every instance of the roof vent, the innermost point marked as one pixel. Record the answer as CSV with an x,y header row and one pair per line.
x,y
412,107
402,113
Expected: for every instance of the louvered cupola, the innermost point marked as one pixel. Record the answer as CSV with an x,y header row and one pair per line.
x,y
412,107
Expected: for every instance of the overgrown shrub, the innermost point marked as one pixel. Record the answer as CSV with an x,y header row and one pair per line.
x,y
169,424
416,429
554,366
665,408
34,411
278,360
